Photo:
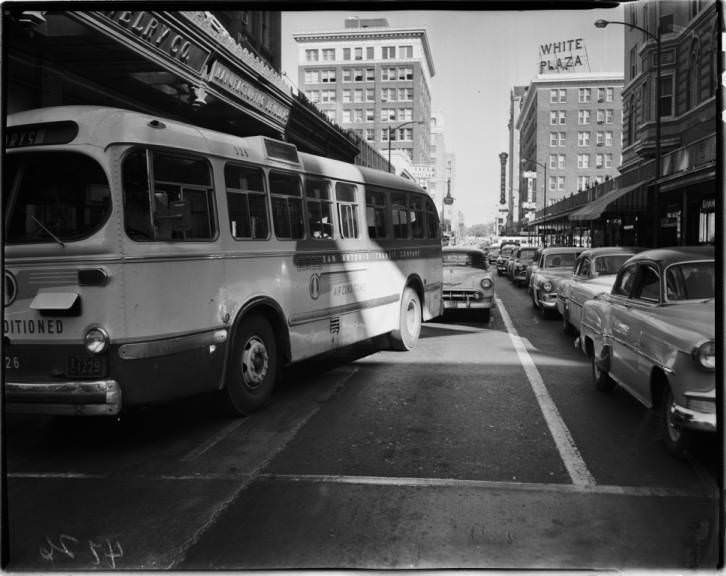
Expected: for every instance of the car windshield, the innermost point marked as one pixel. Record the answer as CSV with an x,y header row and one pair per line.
x,y
527,254
472,259
610,264
53,196
560,260
690,281
506,252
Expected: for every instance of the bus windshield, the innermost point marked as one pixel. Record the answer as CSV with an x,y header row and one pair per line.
x,y
53,196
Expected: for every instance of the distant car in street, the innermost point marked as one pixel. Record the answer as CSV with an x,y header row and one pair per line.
x,y
594,273
532,266
555,264
468,284
654,335
523,257
492,255
505,252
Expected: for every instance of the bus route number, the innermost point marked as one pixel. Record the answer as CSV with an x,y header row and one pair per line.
x,y
240,152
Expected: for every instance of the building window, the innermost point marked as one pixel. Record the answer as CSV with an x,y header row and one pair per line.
x,y
347,75
583,183
405,73
608,160
370,74
358,75
583,138
405,114
384,134
666,95
561,161
346,53
358,115
405,94
558,117
600,138
601,94
358,95
600,116
369,53
405,134
584,95
608,138
370,94
311,55
327,96
553,117
330,115
359,53
563,95
388,74
553,160
405,52
388,94
347,95
633,59
553,96
609,94
552,183
609,114
630,126
694,76
347,116
583,116
328,54
388,114
370,133
388,52
583,160
312,77
554,138
313,96
560,183
370,115
599,161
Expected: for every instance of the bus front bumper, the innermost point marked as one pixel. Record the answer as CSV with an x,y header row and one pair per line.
x,y
77,398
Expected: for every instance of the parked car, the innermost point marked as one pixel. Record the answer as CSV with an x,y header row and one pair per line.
x,y
555,263
654,335
467,281
524,256
492,255
532,266
594,274
504,253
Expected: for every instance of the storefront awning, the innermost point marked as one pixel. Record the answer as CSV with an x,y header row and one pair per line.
x,y
594,209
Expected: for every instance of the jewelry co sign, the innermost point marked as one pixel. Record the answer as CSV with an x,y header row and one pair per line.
x,y
232,82
157,33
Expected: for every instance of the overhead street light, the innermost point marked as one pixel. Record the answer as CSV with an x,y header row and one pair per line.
x,y
656,184
397,127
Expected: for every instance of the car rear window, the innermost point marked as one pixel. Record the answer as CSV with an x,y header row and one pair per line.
x,y
560,260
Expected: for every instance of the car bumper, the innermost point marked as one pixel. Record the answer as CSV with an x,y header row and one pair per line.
x,y
694,419
547,300
466,304
84,398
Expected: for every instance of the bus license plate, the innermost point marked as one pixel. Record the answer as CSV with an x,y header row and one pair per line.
x,y
79,367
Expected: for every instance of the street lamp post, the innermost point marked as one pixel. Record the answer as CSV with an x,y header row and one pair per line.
x,y
523,162
656,183
391,129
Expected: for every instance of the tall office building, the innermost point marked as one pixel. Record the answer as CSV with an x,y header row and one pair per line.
x,y
569,130
374,80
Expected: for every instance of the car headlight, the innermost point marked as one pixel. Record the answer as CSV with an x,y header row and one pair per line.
x,y
705,355
546,285
96,340
486,283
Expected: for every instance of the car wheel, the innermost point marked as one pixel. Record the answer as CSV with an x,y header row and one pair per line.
x,y
602,379
252,367
675,438
409,324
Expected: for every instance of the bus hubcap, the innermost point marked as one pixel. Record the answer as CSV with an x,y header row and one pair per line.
x,y
411,317
255,362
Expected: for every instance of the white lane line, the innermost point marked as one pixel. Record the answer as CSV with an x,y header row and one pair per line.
x,y
58,475
214,440
709,491
569,453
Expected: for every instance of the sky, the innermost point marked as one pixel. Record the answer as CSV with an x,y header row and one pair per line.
x,y
478,56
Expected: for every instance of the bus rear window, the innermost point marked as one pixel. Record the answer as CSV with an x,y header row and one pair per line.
x,y
53,196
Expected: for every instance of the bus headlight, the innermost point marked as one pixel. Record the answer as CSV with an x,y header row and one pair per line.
x,y
97,340
705,355
486,283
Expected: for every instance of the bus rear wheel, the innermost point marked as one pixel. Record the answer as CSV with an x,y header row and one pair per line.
x,y
409,323
252,367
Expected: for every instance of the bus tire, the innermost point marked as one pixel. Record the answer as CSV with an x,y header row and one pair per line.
x,y
409,323
252,367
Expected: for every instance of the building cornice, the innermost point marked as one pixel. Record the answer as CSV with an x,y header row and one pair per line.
x,y
371,34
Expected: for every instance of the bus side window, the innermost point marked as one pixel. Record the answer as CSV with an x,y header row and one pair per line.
x,y
416,213
376,213
137,210
400,215
246,201
188,179
347,210
432,220
320,208
286,197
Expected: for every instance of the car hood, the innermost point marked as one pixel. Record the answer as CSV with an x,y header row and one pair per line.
x,y
698,316
554,273
460,276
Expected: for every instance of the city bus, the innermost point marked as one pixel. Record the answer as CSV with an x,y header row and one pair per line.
x,y
148,259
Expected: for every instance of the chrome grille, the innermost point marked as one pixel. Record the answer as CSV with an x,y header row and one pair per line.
x,y
462,295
